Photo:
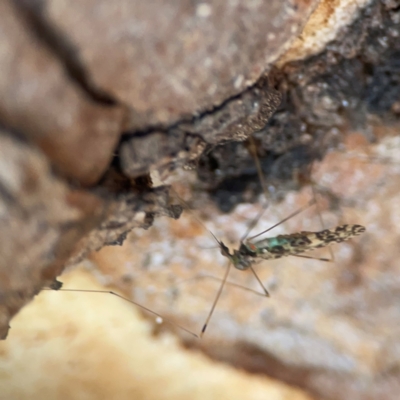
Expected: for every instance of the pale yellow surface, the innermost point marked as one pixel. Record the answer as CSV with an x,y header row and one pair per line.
x,y
93,346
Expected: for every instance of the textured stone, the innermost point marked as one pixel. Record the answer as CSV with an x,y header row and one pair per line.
x,y
177,58
42,101
41,221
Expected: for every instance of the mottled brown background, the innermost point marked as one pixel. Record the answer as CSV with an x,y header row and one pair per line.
x,y
96,95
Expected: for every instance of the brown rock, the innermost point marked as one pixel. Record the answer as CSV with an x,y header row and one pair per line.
x,y
41,221
178,58
43,101
330,328
74,78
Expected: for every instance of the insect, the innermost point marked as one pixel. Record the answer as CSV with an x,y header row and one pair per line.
x,y
288,245
275,247
250,252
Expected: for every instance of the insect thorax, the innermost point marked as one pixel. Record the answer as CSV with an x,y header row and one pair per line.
x,y
243,258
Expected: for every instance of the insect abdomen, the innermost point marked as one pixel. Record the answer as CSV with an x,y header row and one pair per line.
x,y
297,243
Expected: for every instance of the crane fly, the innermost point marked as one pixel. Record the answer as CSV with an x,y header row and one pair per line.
x,y
251,251
272,248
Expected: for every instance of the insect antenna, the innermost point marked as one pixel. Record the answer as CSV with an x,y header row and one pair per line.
x,y
186,205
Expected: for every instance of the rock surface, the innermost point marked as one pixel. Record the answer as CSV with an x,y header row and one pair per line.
x,y
94,102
